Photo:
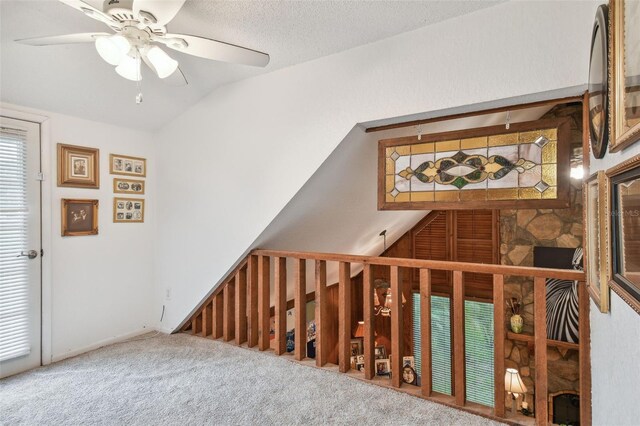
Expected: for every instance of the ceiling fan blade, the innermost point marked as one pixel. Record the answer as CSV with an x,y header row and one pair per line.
x,y
215,50
91,12
62,39
162,10
177,78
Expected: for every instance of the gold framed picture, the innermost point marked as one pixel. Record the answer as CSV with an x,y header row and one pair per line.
x,y
128,210
128,186
596,196
79,217
129,166
78,166
624,90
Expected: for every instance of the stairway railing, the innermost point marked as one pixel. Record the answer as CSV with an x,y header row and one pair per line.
x,y
239,310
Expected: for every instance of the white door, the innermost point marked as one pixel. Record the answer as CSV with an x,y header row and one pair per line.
x,y
20,246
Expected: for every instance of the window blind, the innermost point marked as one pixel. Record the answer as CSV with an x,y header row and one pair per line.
x,y
14,212
478,333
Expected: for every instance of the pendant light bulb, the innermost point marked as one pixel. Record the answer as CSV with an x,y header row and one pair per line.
x,y
129,68
113,49
164,65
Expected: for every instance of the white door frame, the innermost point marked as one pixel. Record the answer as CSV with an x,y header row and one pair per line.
x,y
18,113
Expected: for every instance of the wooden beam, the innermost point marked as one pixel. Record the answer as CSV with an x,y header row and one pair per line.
x,y
263,302
498,345
344,317
228,318
396,327
458,338
252,323
216,316
584,331
551,102
369,323
300,306
425,330
241,306
321,309
540,338
280,278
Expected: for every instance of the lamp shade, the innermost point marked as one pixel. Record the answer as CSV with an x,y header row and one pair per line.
x,y
163,63
129,68
113,49
513,382
360,329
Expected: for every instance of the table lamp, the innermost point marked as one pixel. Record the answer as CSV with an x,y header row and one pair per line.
x,y
514,385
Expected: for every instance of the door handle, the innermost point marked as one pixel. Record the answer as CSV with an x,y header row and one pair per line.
x,y
31,254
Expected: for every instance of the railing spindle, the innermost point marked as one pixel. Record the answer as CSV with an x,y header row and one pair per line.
x,y
540,340
458,338
396,326
241,306
252,323
344,317
321,309
498,344
228,318
216,316
369,324
280,278
425,330
263,302
300,305
205,321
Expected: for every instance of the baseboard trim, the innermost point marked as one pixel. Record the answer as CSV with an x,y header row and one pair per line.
x,y
102,343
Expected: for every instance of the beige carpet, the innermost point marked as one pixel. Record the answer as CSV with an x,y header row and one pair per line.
x,y
185,380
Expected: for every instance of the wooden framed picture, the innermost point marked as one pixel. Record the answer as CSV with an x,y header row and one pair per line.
x,y
78,166
356,347
624,184
598,83
383,367
128,186
380,352
128,210
624,88
409,360
596,239
125,165
79,217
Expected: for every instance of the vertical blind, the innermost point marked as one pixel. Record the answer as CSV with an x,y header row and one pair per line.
x,y
14,214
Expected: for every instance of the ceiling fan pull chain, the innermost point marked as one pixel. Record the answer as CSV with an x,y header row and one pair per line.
x,y
138,84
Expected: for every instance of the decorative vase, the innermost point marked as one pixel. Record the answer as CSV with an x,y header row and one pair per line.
x,y
516,323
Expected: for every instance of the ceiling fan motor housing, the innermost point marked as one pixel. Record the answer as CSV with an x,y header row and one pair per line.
x,y
121,10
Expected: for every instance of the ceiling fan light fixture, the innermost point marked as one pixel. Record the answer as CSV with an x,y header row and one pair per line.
x,y
113,49
163,63
129,68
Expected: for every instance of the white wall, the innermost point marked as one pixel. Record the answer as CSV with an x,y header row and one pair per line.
x,y
231,163
615,344
100,286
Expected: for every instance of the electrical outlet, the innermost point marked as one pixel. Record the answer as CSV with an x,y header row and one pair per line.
x,y
167,293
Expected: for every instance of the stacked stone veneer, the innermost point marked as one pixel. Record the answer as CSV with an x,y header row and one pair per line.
x,y
520,231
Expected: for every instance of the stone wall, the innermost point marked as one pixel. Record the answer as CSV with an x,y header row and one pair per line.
x,y
520,231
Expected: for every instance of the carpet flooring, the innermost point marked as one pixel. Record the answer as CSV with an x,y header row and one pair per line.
x,y
185,380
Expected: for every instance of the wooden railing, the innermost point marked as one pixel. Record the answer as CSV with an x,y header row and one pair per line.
x,y
246,290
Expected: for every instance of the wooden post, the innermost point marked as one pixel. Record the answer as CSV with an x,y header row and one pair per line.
x,y
228,318
458,338
369,324
396,326
205,321
280,278
217,316
540,341
498,345
194,324
344,317
241,306
321,296
425,330
252,323
263,302
300,306
584,331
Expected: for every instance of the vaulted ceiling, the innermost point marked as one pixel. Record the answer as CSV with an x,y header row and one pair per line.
x,y
72,79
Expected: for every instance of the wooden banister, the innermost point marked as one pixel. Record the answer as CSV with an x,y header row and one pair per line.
x,y
252,316
300,293
368,318
540,336
458,339
498,345
344,317
321,309
396,326
241,306
263,302
280,278
425,330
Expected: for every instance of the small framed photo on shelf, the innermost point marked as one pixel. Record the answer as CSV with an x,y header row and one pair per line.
x,y
353,362
380,352
596,196
78,166
79,217
128,210
360,366
356,347
360,359
125,165
128,186
383,367
410,361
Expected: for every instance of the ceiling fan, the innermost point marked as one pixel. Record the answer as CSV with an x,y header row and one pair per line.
x,y
140,29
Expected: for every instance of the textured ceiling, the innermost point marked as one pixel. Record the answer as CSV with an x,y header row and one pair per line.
x,y
72,79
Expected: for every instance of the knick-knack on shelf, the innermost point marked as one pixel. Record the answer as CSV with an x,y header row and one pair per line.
x,y
516,320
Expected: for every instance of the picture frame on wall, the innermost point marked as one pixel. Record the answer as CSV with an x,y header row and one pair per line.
x,y
128,166
78,166
128,186
598,96
128,210
624,187
624,71
79,217
596,197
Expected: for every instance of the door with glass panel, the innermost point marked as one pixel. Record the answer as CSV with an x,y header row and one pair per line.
x,y
20,262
